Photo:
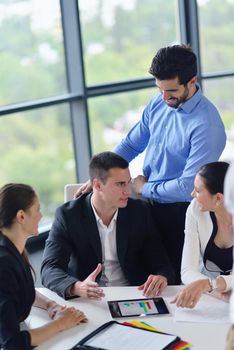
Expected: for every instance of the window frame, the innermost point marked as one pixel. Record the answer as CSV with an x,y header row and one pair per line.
x,y
79,93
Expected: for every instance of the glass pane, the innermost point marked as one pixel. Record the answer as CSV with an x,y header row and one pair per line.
x,y
216,35
220,92
31,50
121,37
108,128
36,148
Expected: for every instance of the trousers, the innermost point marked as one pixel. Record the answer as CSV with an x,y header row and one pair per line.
x,y
170,220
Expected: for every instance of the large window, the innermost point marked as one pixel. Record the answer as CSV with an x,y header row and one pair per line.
x,y
74,73
111,117
220,91
121,37
36,145
216,27
36,148
217,51
31,50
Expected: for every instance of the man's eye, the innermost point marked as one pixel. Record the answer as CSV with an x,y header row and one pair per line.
x,y
120,184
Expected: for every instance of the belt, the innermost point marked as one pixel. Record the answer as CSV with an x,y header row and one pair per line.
x,y
152,202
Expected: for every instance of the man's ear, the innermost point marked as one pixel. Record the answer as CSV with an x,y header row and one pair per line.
x,y
193,80
96,183
20,216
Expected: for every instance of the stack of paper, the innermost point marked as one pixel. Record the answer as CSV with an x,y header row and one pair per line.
x,y
181,345
114,336
208,309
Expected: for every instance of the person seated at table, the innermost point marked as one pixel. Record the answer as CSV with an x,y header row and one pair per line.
x,y
229,203
104,238
19,217
207,252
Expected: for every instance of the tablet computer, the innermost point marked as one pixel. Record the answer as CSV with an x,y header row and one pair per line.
x,y
137,307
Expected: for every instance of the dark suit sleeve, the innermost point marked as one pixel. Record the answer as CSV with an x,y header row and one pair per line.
x,y
57,253
155,254
11,337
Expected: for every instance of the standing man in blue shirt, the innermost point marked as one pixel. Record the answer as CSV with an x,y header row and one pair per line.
x,y
180,130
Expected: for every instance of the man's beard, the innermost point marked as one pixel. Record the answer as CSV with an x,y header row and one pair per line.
x,y
177,101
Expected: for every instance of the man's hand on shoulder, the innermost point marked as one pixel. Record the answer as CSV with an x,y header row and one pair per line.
x,y
86,187
89,288
154,285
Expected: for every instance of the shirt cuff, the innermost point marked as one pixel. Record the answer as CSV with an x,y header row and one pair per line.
x,y
147,191
68,293
228,280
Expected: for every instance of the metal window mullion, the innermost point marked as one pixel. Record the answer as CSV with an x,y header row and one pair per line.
x,y
76,84
189,28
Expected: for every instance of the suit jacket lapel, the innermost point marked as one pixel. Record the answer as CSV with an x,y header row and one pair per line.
x,y
91,228
122,233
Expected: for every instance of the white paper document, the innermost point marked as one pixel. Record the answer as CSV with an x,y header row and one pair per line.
x,y
208,309
121,337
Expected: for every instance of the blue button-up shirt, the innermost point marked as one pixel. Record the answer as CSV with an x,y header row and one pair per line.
x,y
179,141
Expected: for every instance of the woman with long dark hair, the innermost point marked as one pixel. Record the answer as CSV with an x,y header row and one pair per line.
x,y
207,253
19,218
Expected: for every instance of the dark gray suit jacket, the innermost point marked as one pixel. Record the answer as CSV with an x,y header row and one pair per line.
x,y
73,248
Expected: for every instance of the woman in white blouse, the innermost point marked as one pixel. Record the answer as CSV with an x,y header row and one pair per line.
x,y
207,253
229,203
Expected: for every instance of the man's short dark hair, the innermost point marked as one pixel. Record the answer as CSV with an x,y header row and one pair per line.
x,y
101,163
174,61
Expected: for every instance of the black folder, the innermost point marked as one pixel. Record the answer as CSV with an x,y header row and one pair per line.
x,y
88,343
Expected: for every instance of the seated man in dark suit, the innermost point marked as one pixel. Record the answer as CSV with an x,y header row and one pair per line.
x,y
104,238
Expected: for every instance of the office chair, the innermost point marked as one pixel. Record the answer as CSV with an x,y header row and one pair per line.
x,y
70,190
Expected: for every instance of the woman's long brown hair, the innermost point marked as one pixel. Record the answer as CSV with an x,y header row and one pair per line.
x,y
15,197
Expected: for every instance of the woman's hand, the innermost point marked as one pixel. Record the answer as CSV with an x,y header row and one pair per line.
x,y
53,308
62,318
190,295
68,317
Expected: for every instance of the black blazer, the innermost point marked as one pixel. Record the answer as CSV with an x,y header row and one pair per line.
x,y
17,295
73,248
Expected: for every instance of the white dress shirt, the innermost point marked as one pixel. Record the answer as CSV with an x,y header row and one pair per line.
x,y
112,274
